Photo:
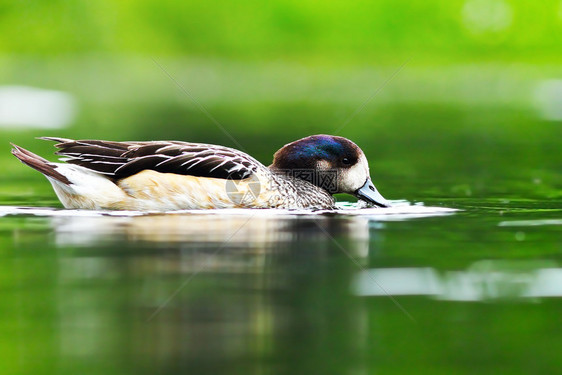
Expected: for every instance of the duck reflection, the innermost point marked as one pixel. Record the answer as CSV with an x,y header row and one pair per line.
x,y
248,231
206,293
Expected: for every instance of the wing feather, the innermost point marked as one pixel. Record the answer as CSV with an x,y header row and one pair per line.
x,y
123,159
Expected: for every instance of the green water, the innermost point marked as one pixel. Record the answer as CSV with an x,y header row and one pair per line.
x,y
208,295
282,295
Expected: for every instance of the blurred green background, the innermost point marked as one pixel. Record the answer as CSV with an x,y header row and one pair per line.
x,y
432,90
359,31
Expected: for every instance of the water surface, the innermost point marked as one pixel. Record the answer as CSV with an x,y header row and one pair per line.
x,y
257,292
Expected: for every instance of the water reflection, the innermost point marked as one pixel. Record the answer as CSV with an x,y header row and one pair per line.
x,y
249,231
483,280
211,294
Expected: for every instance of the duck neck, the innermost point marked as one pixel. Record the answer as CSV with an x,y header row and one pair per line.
x,y
307,193
325,180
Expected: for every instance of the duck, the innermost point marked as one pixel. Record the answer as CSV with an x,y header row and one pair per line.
x,y
175,175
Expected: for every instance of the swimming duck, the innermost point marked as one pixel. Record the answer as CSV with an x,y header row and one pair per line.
x,y
173,175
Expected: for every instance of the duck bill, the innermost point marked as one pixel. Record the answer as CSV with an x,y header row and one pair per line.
x,y
369,193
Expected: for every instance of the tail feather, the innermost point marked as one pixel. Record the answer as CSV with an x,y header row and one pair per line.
x,y
37,162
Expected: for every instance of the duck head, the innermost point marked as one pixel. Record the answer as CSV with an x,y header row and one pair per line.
x,y
333,163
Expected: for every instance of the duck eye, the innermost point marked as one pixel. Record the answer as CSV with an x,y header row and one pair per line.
x,y
346,161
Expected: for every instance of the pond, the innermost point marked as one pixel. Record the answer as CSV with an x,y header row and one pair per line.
x,y
86,292
472,289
